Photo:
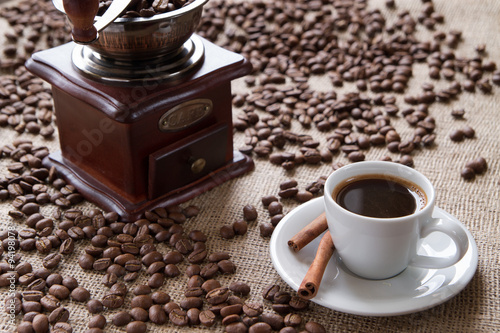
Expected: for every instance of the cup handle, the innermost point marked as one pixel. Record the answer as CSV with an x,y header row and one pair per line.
x,y
455,232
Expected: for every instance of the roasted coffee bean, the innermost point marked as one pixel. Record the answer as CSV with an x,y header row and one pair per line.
x,y
50,303
156,280
292,320
260,328
41,273
191,302
269,291
193,316
197,256
25,327
80,294
86,261
288,193
266,200
51,261
274,208
59,291
281,309
62,328
227,232
252,309
32,295
160,297
141,289
67,246
234,309
97,321
101,264
172,271
112,301
191,211
237,328
139,314
210,285
157,315
250,213
43,245
40,323
133,265
274,320
178,317
122,259
229,319
457,135
173,257
282,297
239,288
291,183
136,327
25,279
129,277
59,315
240,227
467,173
109,279
155,268
28,306
119,289
195,291
30,208
184,246
95,306
152,257
298,303
266,229
142,301
314,327
170,306
226,267
217,296
24,268
218,256
121,318
209,270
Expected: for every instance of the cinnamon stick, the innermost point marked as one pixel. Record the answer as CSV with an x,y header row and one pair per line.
x,y
308,233
310,284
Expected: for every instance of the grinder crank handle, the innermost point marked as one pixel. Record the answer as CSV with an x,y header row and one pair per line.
x,y
82,14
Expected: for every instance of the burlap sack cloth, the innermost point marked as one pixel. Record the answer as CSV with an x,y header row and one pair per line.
x,y
475,203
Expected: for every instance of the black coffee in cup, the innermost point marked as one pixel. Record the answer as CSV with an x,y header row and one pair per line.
x,y
379,196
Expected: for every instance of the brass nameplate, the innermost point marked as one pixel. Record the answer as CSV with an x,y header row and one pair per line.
x,y
184,115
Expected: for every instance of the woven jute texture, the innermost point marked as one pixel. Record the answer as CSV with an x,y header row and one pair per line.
x,y
475,203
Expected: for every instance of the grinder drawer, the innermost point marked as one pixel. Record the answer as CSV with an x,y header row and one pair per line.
x,y
187,160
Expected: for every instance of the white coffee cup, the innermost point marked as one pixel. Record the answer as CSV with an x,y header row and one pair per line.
x,y
380,248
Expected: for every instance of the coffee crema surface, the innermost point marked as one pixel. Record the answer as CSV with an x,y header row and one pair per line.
x,y
379,196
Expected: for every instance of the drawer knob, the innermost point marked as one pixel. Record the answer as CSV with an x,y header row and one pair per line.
x,y
198,165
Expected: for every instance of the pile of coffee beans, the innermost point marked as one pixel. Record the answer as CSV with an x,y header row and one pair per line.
x,y
30,22
289,43
145,8
26,104
121,251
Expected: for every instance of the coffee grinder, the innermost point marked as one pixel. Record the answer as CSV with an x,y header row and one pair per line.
x,y
143,111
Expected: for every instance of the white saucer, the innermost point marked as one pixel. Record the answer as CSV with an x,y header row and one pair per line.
x,y
415,289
